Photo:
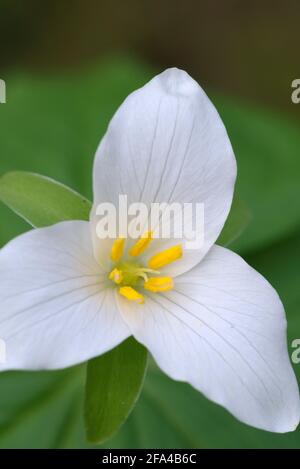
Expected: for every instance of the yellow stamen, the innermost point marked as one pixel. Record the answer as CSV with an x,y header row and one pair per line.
x,y
141,244
131,294
165,257
117,249
157,284
116,276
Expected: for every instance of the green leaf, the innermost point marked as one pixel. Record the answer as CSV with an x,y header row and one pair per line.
x,y
41,201
114,382
237,221
48,411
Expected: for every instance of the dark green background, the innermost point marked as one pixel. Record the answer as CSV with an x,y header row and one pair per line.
x,y
68,65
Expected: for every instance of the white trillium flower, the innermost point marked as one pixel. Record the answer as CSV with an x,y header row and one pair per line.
x,y
208,318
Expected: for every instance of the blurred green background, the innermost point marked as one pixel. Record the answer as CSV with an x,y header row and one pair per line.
x,y
67,66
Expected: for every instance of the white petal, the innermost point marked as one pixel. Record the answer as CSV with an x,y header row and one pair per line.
x,y
223,330
167,143
54,308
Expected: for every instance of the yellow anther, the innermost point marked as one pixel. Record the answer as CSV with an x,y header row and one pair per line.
x,y
141,244
158,284
116,276
132,295
117,249
165,257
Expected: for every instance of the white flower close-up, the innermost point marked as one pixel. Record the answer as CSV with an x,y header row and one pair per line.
x,y
204,314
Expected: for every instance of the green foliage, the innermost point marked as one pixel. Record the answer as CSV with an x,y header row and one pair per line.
x,y
237,221
267,151
114,382
42,201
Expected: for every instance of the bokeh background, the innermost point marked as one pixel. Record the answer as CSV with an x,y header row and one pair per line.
x,y
68,64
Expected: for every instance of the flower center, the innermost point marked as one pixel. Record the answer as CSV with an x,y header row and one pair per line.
x,y
131,276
